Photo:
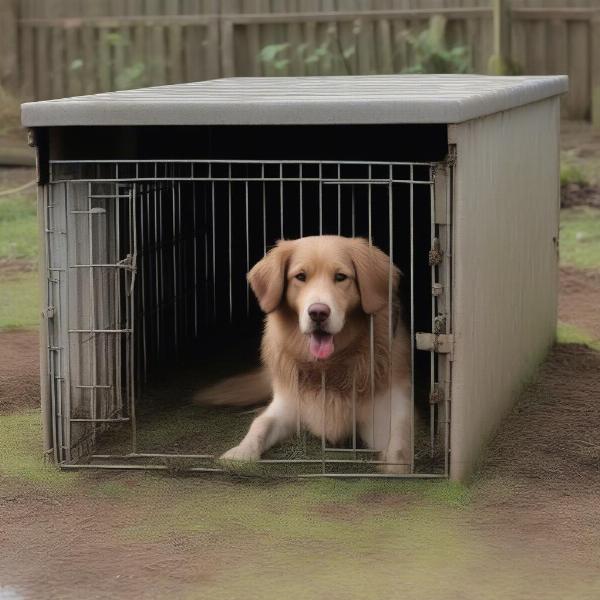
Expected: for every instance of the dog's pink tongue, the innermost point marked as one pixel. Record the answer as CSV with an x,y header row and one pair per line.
x,y
321,345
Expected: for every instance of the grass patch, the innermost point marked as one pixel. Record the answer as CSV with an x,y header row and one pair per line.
x,y
21,451
580,237
571,172
18,227
19,300
570,334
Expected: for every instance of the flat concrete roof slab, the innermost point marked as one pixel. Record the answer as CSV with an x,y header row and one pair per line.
x,y
368,99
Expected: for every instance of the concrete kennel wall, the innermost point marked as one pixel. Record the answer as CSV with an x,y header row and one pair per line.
x,y
506,219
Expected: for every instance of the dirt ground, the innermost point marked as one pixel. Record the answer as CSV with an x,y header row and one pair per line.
x,y
533,508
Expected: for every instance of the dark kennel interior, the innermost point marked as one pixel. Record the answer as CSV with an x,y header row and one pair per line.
x,y
192,223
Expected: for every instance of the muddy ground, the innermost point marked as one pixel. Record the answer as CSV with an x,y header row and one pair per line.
x,y
530,523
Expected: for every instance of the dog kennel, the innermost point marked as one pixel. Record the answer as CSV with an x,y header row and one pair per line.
x,y
155,203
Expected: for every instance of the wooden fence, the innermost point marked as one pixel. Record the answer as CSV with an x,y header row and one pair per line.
x,y
56,48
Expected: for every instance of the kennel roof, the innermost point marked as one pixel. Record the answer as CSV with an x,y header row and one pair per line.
x,y
358,99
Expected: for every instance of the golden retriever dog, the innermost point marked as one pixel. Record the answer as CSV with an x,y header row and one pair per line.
x,y
318,294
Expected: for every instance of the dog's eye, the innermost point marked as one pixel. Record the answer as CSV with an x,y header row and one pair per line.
x,y
340,277
301,277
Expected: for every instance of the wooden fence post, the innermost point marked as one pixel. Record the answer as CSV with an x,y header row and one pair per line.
x,y
501,62
595,68
9,70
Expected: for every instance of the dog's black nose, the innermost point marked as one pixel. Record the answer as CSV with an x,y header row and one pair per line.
x,y
319,312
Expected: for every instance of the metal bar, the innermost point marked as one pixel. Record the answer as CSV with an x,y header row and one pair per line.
x,y
181,264
117,341
371,328
144,198
130,467
100,330
214,255
97,265
174,257
323,419
412,321
264,209
339,202
101,420
229,248
433,315
354,413
131,340
75,467
157,265
353,212
301,204
320,200
247,252
448,297
373,475
167,161
49,326
390,300
89,387
92,299
195,247
249,179
281,201
134,455
67,357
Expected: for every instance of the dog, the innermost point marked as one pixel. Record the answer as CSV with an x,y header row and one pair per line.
x,y
328,300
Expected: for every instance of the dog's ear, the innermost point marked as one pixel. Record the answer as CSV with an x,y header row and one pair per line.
x,y
267,276
372,267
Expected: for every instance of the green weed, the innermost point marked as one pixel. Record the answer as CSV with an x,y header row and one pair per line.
x,y
580,237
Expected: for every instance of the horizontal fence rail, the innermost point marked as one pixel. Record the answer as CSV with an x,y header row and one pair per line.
x,y
59,48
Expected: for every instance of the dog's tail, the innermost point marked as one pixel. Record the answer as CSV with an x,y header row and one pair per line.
x,y
248,389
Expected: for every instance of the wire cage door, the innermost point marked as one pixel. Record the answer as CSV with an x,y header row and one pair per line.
x,y
91,255
153,254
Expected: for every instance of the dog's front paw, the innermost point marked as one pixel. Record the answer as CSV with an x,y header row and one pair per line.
x,y
241,453
396,464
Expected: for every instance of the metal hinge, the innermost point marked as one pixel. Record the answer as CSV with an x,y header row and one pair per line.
x,y
50,311
442,343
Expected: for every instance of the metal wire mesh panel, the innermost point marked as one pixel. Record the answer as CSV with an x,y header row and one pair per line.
x,y
148,264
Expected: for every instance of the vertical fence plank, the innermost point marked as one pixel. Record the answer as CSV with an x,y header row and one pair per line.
x,y
578,99
385,62
26,53
42,54
9,61
537,47
174,45
227,47
502,37
212,55
519,46
73,53
595,67
155,45
310,34
58,65
250,60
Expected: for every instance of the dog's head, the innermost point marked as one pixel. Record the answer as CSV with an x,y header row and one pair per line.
x,y
324,280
